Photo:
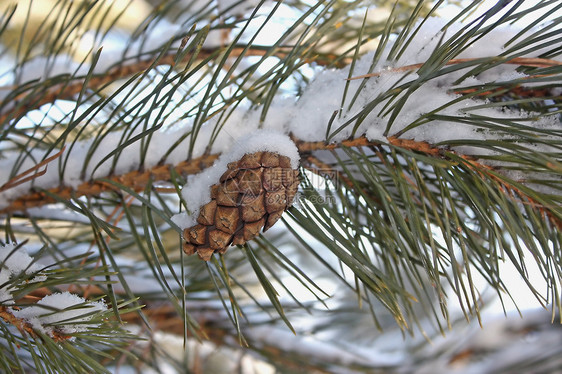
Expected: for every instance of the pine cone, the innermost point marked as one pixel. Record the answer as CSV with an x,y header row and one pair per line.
x,y
252,194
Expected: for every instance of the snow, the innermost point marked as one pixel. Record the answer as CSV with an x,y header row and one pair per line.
x,y
16,261
65,312
504,343
57,212
324,95
315,349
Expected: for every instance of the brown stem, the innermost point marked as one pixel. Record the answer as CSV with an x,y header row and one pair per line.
x,y
520,91
68,90
305,147
24,177
522,61
25,327
430,150
325,168
137,180
483,170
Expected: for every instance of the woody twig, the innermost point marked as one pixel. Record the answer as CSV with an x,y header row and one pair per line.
x,y
25,327
68,90
137,180
521,61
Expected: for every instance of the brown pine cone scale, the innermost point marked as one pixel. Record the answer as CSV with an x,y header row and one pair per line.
x,y
251,196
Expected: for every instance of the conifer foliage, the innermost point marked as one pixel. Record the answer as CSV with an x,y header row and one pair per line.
x,y
376,169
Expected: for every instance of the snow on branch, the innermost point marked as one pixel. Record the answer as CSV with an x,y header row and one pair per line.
x,y
61,314
105,75
320,114
368,112
15,262
56,315
119,57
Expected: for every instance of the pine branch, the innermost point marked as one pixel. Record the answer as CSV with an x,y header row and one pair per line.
x,y
520,61
484,170
69,89
24,177
24,326
136,180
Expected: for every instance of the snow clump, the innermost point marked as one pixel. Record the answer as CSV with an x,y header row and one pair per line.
x,y
64,313
14,262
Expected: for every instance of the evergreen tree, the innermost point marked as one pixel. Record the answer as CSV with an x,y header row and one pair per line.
x,y
292,186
